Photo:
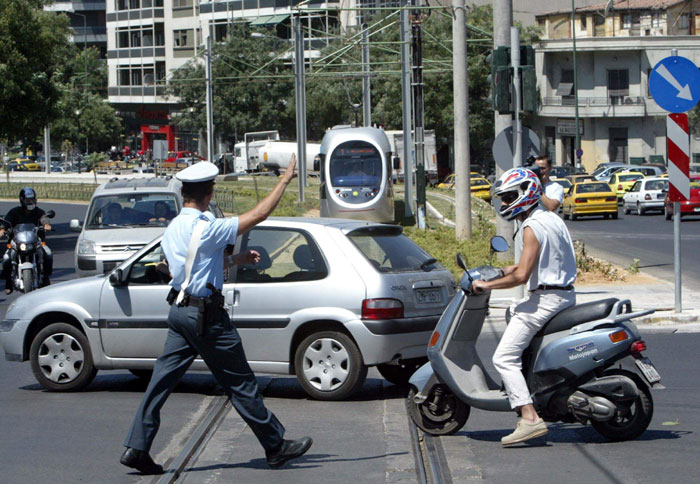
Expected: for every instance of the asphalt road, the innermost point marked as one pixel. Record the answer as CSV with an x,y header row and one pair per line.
x,y
77,437
648,238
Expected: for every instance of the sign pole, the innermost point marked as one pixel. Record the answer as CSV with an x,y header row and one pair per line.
x,y
678,300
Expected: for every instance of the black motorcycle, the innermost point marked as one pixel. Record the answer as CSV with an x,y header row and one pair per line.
x,y
23,247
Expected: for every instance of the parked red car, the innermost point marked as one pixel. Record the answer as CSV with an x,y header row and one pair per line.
x,y
690,207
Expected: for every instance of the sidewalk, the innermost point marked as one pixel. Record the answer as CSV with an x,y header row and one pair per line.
x,y
657,294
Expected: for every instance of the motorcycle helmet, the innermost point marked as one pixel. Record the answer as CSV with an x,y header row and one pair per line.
x,y
27,198
519,190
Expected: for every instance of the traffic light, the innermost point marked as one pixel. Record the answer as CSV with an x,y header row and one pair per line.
x,y
528,77
500,79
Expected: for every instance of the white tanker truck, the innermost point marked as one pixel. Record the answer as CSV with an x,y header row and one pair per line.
x,y
269,153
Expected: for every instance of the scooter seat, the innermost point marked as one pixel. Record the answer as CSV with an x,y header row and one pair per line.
x,y
580,313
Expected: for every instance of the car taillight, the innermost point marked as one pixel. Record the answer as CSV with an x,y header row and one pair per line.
x,y
382,308
619,187
611,199
580,200
647,197
637,347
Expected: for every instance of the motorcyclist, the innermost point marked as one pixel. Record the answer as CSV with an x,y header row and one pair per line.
x,y
548,266
27,212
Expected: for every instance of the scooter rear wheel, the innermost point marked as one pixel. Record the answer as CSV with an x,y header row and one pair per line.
x,y
447,416
632,418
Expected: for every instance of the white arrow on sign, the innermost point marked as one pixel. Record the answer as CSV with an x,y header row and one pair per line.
x,y
683,92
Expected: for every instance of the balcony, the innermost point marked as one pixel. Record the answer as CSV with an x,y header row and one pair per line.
x,y
594,107
89,34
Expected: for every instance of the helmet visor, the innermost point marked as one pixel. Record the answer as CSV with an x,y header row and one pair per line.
x,y
509,197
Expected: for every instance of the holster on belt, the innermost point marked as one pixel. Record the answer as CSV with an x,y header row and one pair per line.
x,y
208,308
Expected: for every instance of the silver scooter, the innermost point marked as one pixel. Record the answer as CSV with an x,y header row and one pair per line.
x,y
585,364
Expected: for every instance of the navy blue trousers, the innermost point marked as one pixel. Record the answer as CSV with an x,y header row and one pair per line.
x,y
222,351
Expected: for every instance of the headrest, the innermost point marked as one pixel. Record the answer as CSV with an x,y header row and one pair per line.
x,y
304,259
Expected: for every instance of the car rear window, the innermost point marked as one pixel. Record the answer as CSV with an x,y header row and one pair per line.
x,y
656,185
592,188
392,252
630,177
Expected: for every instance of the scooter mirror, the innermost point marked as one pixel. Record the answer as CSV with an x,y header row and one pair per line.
x,y
461,262
498,244
51,214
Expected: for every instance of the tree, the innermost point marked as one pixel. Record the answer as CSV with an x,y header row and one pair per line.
x,y
241,103
34,45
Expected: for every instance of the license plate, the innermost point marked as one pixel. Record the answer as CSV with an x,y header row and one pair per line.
x,y
648,370
428,295
660,195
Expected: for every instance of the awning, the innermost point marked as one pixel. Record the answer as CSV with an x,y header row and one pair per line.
x,y
564,88
270,19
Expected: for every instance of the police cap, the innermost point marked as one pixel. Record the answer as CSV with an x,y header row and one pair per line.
x,y
199,172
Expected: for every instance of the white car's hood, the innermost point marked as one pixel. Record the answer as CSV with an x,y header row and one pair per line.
x,y
135,235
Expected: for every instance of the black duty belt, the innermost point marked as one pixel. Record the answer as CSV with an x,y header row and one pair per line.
x,y
545,287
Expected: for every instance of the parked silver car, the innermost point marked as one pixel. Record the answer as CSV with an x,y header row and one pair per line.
x,y
328,298
123,216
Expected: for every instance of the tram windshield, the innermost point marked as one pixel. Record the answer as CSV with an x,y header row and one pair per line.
x,y
356,164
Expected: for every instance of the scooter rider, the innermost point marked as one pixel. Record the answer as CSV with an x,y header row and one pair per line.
x,y
27,213
548,266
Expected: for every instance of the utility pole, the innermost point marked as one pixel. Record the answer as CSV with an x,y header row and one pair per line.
x,y
300,85
210,111
366,93
418,117
573,38
47,148
406,109
460,83
502,21
517,125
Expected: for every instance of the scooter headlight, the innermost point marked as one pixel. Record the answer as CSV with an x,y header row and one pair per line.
x,y
23,247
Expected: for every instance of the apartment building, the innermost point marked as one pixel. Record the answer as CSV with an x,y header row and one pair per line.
x,y
616,47
87,20
148,39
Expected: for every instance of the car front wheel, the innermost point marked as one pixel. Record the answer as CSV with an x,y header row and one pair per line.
x,y
329,365
61,359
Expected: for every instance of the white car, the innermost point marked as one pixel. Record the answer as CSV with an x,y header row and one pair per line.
x,y
646,194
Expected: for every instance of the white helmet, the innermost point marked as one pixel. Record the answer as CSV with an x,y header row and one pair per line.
x,y
519,190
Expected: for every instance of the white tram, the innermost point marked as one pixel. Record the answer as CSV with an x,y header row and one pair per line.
x,y
356,175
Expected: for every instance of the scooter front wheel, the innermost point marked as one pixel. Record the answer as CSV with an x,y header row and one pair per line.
x,y
441,414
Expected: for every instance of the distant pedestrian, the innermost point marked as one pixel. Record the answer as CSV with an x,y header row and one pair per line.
x,y
553,192
194,245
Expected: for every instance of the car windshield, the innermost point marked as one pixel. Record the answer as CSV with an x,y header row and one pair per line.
x,y
129,209
598,171
592,188
479,182
392,252
630,177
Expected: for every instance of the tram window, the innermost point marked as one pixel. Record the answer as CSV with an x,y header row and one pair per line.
x,y
355,163
285,255
393,252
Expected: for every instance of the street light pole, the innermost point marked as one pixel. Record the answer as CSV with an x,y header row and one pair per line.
x,y
573,37
85,84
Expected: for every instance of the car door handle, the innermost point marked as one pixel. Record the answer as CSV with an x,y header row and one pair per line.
x,y
231,298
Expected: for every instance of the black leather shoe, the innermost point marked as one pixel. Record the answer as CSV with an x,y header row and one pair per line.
x,y
141,461
290,449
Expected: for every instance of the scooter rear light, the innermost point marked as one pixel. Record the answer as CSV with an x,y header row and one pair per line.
x,y
618,336
382,308
434,338
637,347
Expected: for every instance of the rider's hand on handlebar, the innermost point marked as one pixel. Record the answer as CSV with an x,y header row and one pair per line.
x,y
47,227
479,287
2,233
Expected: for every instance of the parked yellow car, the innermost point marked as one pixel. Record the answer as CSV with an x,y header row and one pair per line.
x,y
589,198
449,182
481,188
27,164
620,183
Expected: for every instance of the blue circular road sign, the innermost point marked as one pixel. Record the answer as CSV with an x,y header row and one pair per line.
x,y
674,84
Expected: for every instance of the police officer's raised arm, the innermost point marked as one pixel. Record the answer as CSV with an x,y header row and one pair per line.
x,y
265,207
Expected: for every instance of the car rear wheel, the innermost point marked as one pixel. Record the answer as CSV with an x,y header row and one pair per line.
x,y
668,215
614,216
573,216
625,209
329,365
640,210
61,359
400,374
566,215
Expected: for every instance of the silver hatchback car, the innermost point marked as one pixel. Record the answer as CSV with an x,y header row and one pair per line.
x,y
328,299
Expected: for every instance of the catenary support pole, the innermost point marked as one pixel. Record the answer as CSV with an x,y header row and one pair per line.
x,y
210,110
502,21
47,148
366,93
300,103
460,82
408,162
418,113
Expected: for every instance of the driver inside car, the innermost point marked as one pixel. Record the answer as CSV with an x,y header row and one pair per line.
x,y
27,213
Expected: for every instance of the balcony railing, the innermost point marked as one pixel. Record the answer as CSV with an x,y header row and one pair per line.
x,y
595,101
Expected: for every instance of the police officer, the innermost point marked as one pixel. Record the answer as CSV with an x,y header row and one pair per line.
x,y
194,244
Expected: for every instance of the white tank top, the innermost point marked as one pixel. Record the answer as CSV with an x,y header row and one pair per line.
x,y
556,262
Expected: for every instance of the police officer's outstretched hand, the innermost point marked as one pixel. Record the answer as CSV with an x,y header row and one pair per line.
x,y
291,171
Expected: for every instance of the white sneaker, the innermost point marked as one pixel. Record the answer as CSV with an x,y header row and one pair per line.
x,y
525,430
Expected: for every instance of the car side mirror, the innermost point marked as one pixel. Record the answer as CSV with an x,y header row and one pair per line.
x,y
317,163
51,214
116,278
75,225
397,162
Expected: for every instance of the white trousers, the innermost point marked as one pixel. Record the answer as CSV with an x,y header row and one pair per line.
x,y
528,315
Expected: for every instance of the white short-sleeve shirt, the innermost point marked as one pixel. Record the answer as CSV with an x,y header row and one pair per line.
x,y
554,191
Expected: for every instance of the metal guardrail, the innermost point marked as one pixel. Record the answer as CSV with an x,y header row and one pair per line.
x,y
595,101
50,191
